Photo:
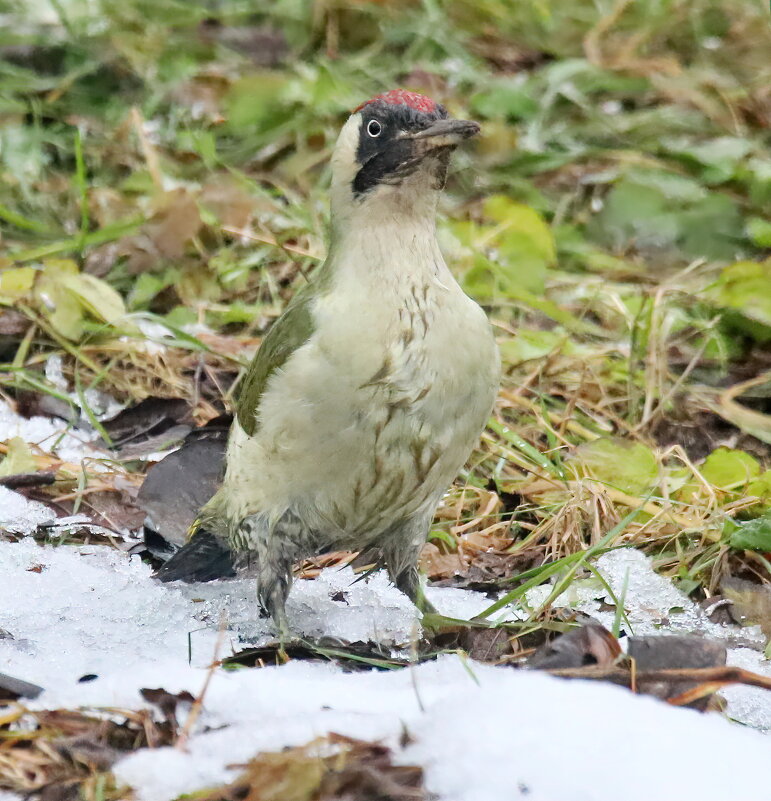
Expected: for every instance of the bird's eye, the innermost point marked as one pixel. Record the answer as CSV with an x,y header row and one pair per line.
x,y
374,128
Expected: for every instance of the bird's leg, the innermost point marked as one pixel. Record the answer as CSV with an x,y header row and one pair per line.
x,y
277,547
400,549
274,580
408,581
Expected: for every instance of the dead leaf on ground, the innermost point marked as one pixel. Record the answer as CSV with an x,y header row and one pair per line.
x,y
262,44
13,324
680,669
438,564
147,418
591,644
166,235
311,568
168,703
750,603
228,201
114,510
674,652
485,571
487,644
176,488
60,754
331,768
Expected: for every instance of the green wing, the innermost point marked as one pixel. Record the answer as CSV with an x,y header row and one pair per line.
x,y
289,332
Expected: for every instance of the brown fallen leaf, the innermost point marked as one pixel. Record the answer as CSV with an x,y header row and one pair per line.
x,y
167,702
63,754
673,652
680,669
591,644
437,564
228,201
486,644
331,768
750,602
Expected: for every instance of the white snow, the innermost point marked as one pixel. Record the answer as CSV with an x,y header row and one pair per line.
x,y
68,443
482,733
21,516
652,603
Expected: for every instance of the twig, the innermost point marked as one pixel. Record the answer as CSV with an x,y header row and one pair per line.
x,y
148,151
195,709
17,480
270,240
715,677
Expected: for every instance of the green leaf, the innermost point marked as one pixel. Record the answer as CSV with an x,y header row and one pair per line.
x,y
505,97
651,213
628,466
718,158
760,487
727,469
529,343
746,287
64,295
759,232
754,535
18,459
521,248
59,305
16,282
96,296
255,101
528,227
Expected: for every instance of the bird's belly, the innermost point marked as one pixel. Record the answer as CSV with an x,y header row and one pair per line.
x,y
352,448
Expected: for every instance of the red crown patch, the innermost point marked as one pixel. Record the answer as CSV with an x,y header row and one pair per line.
x,y
401,97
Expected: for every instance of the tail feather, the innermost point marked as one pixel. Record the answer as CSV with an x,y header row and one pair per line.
x,y
202,558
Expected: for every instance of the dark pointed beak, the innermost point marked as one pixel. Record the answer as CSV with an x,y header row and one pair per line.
x,y
447,133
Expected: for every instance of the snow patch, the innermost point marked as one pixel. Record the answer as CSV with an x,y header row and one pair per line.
x,y
68,443
20,516
654,606
482,733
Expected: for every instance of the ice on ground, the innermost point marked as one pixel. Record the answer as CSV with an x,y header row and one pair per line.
x,y
20,516
95,610
749,705
652,603
336,605
100,404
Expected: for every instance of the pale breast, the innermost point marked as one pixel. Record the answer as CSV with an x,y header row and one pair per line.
x,y
373,417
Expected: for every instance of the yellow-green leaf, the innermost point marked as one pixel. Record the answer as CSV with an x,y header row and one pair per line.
x,y
523,227
746,287
725,468
18,459
59,306
97,297
16,282
628,466
529,344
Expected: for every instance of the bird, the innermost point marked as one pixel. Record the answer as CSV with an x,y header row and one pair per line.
x,y
369,392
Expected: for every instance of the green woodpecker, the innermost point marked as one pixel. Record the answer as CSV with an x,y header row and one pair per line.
x,y
369,392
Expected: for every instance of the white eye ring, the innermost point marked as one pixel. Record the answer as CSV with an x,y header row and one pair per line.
x,y
374,128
